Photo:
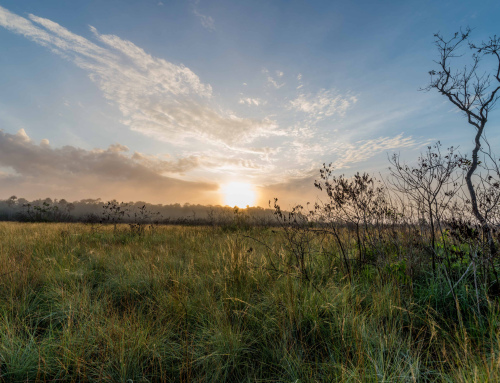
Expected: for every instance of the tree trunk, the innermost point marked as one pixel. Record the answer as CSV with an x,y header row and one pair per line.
x,y
472,192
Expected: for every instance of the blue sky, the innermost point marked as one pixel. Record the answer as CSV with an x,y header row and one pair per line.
x,y
165,101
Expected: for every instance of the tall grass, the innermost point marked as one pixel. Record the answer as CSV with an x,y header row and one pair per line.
x,y
200,304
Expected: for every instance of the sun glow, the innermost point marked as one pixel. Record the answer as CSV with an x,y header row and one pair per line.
x,y
238,194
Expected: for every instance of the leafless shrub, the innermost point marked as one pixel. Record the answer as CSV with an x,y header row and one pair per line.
x,y
362,208
431,185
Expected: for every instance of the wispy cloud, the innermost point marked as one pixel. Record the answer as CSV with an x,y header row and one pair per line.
x,y
203,161
156,97
206,21
251,101
299,78
295,185
271,80
323,104
363,150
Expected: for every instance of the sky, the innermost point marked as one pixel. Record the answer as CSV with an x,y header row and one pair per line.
x,y
172,101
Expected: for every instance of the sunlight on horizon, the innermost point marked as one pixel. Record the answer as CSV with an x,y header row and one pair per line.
x,y
240,194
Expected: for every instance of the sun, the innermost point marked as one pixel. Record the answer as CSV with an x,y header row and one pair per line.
x,y
238,194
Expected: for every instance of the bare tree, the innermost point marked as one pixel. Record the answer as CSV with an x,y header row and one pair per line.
x,y
472,91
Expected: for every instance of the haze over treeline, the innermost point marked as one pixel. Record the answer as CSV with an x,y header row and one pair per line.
x,y
96,210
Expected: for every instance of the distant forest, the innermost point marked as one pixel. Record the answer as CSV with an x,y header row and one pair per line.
x,y
98,211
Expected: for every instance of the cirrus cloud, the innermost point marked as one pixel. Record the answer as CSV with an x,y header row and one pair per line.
x,y
156,97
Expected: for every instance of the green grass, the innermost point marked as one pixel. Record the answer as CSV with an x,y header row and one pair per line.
x,y
193,304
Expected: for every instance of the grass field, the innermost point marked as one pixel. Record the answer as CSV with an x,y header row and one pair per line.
x,y
201,304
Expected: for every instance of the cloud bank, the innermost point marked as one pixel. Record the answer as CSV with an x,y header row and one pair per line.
x,y
38,169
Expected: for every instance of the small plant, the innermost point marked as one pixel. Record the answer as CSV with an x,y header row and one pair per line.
x,y
143,218
113,213
93,221
294,225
